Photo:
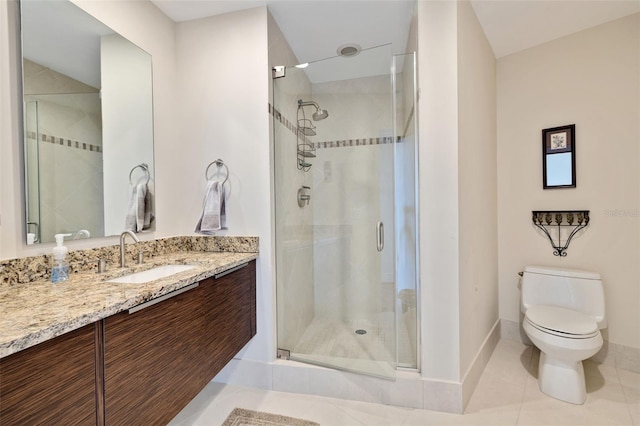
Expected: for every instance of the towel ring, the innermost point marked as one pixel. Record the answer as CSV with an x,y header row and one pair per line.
x,y
145,168
218,163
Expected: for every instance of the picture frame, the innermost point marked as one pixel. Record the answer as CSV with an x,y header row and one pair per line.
x,y
559,139
558,157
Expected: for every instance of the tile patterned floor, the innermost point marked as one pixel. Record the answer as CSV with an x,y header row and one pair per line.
x,y
332,338
507,394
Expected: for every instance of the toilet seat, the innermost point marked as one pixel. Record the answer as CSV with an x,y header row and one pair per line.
x,y
561,322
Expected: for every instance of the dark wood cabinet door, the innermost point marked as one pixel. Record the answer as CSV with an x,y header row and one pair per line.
x,y
52,383
152,360
230,315
159,358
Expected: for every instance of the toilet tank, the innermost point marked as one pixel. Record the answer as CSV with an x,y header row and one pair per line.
x,y
568,288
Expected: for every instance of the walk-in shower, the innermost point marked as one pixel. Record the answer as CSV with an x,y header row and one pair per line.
x,y
346,257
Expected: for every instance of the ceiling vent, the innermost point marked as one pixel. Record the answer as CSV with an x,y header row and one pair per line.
x,y
349,50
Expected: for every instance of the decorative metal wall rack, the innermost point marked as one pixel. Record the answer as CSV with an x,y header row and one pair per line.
x,y
561,224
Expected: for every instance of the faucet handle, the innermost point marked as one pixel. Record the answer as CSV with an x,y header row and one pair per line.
x,y
102,265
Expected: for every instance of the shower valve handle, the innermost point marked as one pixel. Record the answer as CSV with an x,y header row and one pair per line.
x,y
303,197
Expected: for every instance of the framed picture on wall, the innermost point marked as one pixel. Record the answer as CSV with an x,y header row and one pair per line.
x,y
559,139
559,157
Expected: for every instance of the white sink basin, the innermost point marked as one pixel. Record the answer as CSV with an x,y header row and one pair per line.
x,y
151,274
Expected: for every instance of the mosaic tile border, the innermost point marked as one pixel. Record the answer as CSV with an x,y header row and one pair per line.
x,y
332,144
64,142
357,142
26,269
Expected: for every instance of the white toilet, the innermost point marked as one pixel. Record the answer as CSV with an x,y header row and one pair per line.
x,y
563,314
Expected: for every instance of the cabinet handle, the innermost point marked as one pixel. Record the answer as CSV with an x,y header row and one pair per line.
x,y
162,298
228,271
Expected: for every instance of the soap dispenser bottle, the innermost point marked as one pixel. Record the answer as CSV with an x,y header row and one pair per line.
x,y
59,264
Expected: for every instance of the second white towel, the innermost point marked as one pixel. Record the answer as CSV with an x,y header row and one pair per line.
x,y
139,212
213,217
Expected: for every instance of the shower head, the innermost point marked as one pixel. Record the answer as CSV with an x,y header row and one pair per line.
x,y
320,113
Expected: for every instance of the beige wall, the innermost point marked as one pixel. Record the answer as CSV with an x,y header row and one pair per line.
x,y
220,111
590,78
477,185
438,183
458,195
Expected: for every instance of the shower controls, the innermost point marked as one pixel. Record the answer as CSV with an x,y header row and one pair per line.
x,y
303,196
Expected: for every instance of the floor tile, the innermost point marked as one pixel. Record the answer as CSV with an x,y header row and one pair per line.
x,y
630,383
507,394
605,403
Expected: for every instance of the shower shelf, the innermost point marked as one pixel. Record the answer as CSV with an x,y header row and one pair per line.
x,y
306,154
305,150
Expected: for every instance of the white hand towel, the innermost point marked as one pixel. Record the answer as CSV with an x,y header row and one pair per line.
x,y
136,211
213,215
148,207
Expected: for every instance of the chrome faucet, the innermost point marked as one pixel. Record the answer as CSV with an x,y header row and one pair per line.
x,y
122,237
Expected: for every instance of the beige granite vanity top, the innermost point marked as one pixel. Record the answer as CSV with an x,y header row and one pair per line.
x,y
31,313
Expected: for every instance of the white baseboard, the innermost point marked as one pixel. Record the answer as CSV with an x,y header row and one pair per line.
x,y
472,376
408,390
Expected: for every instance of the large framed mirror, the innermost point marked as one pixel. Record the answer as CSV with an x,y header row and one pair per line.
x,y
88,125
559,157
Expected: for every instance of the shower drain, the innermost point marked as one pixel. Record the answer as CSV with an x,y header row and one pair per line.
x,y
361,331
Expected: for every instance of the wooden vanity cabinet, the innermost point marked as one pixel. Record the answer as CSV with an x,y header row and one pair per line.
x,y
156,360
53,382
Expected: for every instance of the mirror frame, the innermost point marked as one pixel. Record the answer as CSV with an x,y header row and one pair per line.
x,y
566,137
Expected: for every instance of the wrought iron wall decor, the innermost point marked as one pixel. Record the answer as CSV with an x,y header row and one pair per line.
x,y
553,222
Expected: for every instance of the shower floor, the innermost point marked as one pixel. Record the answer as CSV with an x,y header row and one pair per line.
x,y
327,342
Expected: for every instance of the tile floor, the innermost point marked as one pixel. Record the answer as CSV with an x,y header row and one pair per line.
x,y
507,394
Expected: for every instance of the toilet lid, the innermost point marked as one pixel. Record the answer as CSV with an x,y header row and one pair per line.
x,y
561,320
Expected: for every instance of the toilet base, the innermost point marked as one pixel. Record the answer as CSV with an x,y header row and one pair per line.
x,y
561,379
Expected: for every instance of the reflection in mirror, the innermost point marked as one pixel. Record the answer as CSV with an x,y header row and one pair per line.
x,y
559,169
558,157
87,124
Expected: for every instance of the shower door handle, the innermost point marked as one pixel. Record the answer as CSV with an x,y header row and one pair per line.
x,y
380,236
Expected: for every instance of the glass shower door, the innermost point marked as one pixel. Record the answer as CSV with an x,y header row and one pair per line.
x,y
335,215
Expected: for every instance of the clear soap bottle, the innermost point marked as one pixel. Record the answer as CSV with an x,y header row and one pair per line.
x,y
59,264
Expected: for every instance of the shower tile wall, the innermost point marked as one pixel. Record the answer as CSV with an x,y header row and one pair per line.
x,y
70,176
353,188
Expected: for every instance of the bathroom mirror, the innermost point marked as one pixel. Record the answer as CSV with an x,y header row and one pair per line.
x,y
88,123
559,157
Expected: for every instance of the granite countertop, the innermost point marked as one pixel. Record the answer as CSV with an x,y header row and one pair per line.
x,y
37,311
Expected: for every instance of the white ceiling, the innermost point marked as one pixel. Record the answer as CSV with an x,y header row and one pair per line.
x,y
515,25
315,28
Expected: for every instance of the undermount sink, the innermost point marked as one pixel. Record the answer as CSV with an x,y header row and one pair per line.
x,y
151,274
